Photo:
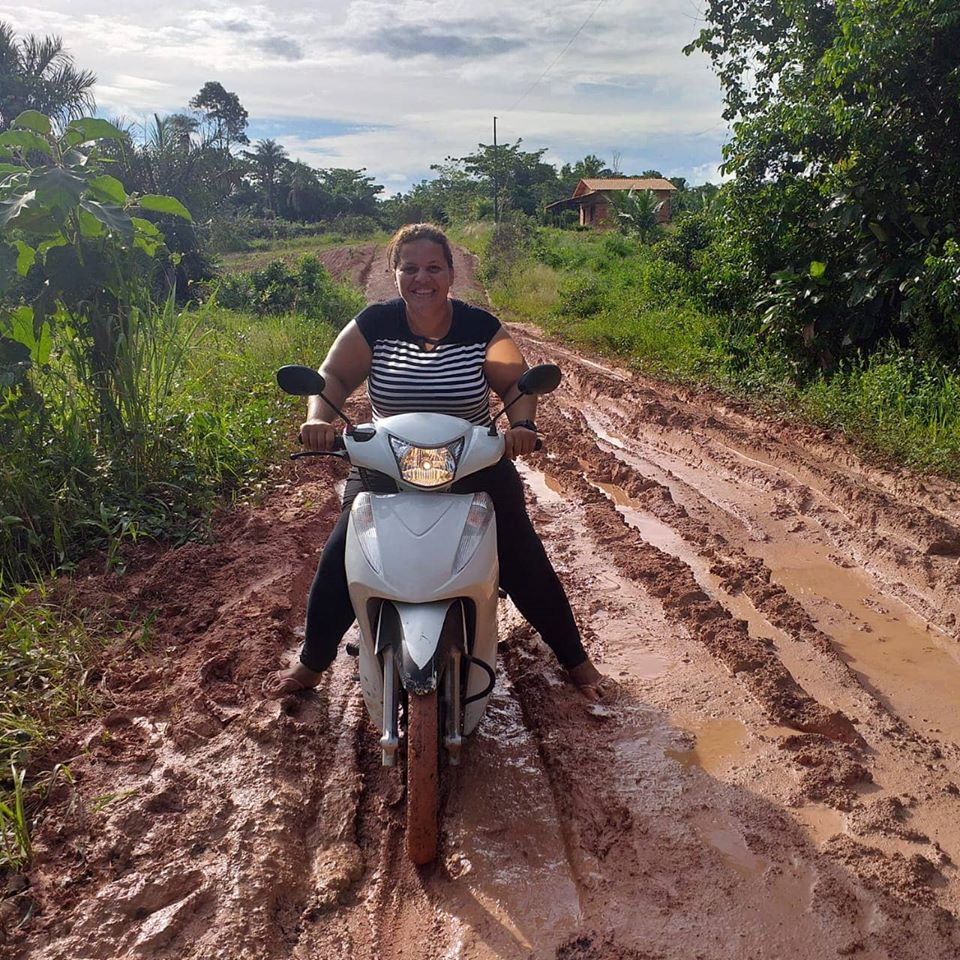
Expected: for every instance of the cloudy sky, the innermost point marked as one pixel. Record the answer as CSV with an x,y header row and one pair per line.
x,y
395,86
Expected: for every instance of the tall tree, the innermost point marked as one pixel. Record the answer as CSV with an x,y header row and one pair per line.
x,y
222,113
524,180
267,159
846,155
36,73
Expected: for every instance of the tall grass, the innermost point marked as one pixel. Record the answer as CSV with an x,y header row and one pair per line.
x,y
201,418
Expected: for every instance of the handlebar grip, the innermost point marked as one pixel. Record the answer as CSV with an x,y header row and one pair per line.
x,y
338,443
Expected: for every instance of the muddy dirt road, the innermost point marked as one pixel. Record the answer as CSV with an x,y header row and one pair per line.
x,y
780,777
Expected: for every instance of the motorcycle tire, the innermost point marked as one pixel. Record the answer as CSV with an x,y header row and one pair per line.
x,y
423,777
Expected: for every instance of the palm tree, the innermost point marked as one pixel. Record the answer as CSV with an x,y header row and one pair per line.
x,y
38,74
267,159
638,213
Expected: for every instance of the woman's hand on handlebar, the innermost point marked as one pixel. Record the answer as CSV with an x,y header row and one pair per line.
x,y
318,435
519,441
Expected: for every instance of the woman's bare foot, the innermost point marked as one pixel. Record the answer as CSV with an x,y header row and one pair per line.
x,y
291,680
590,682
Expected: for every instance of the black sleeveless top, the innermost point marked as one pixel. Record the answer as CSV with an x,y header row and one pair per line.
x,y
405,378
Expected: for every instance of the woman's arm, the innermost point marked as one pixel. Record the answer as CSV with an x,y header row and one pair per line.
x,y
503,367
345,368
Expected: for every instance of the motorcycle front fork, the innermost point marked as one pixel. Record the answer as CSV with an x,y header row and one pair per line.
x,y
453,738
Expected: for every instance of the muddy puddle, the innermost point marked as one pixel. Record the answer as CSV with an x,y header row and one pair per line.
x,y
506,849
719,744
910,666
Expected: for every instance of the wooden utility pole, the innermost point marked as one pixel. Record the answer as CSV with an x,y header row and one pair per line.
x,y
496,185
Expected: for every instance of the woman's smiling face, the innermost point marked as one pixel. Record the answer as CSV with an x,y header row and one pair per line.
x,y
423,275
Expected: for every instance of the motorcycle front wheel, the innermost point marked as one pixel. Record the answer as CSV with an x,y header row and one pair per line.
x,y
423,777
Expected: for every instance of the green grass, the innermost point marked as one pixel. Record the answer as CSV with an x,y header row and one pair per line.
x,y
617,297
45,655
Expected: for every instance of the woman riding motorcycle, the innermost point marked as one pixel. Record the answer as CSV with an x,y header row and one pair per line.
x,y
427,352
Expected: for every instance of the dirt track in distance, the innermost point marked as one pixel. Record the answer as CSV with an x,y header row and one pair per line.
x,y
778,778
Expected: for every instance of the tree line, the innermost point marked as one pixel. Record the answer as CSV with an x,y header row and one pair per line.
x,y
834,235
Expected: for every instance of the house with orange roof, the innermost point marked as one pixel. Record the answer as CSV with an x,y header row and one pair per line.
x,y
593,197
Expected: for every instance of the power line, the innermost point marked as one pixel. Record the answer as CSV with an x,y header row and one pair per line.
x,y
556,59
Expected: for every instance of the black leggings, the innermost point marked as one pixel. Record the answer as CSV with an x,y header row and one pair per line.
x,y
525,573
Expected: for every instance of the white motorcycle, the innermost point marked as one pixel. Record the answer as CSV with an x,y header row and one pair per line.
x,y
423,576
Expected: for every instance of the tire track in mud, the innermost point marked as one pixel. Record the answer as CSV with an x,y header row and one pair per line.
x,y
922,757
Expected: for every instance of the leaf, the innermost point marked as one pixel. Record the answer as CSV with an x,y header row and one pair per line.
x,y
10,210
57,188
148,237
90,226
58,241
112,217
817,268
26,256
109,189
159,204
87,129
23,331
14,362
32,120
6,168
878,232
147,227
25,140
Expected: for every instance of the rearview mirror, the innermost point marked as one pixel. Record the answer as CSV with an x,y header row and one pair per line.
x,y
543,378
300,381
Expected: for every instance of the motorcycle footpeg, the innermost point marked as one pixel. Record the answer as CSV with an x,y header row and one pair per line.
x,y
353,649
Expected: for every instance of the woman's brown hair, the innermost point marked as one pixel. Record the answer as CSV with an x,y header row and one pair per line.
x,y
418,231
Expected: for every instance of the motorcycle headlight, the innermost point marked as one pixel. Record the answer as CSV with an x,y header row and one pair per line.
x,y
426,466
366,530
478,519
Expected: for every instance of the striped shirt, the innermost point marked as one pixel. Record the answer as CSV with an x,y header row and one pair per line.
x,y
449,378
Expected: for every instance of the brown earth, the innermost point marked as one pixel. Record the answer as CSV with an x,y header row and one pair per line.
x,y
777,779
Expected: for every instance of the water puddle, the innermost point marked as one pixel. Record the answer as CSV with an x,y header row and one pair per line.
x,y
657,533
606,436
795,657
821,822
545,488
644,664
908,665
721,832
911,667
720,744
510,860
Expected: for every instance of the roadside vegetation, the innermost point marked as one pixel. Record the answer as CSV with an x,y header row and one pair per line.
x,y
620,297
124,413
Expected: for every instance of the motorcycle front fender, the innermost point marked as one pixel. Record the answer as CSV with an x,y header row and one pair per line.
x,y
415,632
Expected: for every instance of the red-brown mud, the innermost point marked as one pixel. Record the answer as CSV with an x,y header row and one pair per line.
x,y
776,777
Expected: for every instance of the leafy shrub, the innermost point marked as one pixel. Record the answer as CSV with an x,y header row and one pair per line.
x,y
307,289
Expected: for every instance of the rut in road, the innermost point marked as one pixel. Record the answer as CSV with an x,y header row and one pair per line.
x,y
778,775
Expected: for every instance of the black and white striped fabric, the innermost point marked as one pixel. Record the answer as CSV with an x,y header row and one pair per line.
x,y
406,378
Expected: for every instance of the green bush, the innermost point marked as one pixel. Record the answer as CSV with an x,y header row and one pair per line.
x,y
307,289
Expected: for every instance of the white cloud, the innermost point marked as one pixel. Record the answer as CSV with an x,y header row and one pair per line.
x,y
427,74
